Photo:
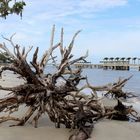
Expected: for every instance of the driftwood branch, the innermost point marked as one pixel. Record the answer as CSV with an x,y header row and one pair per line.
x,y
58,94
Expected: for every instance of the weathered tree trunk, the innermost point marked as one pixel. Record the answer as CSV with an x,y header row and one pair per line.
x,y
64,103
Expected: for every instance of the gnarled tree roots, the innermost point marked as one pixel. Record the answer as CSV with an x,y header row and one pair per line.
x,y
58,93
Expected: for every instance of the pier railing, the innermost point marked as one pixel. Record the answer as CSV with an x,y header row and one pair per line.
x,y
114,65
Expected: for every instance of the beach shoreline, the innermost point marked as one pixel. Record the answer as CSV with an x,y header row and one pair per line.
x,y
103,130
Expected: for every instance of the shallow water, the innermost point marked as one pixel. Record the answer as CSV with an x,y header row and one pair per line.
x,y
102,77
99,77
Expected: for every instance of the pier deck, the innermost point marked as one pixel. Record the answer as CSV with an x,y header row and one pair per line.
x,y
113,66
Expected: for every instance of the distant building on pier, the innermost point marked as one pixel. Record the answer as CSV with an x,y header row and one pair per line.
x,y
119,63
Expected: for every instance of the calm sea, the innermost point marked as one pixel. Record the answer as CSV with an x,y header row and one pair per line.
x,y
102,77
99,77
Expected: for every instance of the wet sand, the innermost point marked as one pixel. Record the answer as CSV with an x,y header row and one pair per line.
x,y
103,130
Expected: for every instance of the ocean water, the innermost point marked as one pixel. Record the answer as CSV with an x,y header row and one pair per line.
x,y
99,77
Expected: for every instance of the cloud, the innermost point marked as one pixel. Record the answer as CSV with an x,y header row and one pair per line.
x,y
96,5
63,8
105,33
110,44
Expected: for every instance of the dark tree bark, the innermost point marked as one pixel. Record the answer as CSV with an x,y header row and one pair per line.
x,y
64,103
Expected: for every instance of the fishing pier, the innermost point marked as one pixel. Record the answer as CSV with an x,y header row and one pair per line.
x,y
113,64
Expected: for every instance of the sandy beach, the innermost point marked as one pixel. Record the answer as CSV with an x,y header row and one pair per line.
x,y
103,130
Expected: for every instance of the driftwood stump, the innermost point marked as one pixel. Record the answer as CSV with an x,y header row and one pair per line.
x,y
57,94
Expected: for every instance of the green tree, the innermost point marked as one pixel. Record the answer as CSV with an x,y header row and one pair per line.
x,y
11,7
5,58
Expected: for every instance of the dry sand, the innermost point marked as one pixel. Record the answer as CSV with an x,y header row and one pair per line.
x,y
104,130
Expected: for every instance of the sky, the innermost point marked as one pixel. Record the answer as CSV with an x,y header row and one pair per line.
x,y
110,28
